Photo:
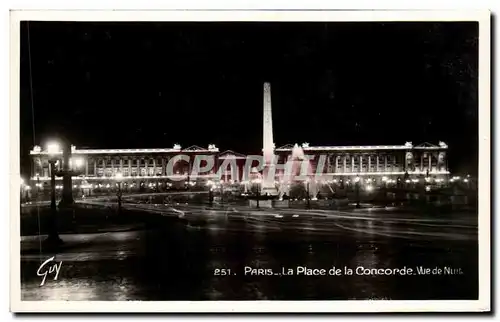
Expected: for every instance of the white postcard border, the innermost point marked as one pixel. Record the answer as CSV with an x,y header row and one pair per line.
x,y
484,173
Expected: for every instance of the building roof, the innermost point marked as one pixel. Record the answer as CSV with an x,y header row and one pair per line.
x,y
406,146
230,154
176,148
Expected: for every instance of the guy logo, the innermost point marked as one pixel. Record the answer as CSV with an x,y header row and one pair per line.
x,y
42,270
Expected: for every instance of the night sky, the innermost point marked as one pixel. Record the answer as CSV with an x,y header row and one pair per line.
x,y
150,85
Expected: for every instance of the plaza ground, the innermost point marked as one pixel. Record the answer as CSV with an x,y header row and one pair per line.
x,y
170,251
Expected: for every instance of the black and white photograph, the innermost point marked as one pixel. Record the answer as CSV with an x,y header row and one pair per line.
x,y
230,159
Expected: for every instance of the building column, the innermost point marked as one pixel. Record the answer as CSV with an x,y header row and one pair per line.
x,y
352,163
421,162
163,167
95,167
121,166
369,163
430,162
378,162
138,160
345,163
154,166
360,163
385,163
129,167
86,167
336,163
146,163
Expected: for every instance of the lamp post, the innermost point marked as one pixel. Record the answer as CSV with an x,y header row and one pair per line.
x,y
119,178
210,193
53,235
221,191
384,180
356,180
38,187
308,192
258,181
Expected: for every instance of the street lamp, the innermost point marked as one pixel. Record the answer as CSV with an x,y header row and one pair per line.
x,y
308,194
258,182
221,191
384,180
53,149
38,186
356,180
210,185
119,178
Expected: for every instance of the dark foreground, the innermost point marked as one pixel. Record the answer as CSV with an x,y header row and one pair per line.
x,y
203,255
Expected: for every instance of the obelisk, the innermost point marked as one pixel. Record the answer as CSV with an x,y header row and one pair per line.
x,y
268,186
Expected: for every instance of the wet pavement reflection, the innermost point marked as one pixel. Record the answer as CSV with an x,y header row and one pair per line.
x,y
203,257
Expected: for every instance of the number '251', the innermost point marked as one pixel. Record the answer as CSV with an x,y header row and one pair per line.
x,y
222,272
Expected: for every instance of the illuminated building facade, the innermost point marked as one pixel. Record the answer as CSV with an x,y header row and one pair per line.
x,y
139,168
149,167
378,163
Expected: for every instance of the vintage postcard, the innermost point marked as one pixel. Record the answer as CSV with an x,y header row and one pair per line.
x,y
250,161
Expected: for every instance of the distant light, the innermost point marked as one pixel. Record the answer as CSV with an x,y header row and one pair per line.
x,y
27,187
78,162
414,180
119,176
369,188
334,180
466,180
53,148
75,186
407,180
384,179
427,188
356,179
22,181
368,180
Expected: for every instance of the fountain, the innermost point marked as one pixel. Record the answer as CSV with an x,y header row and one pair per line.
x,y
298,171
